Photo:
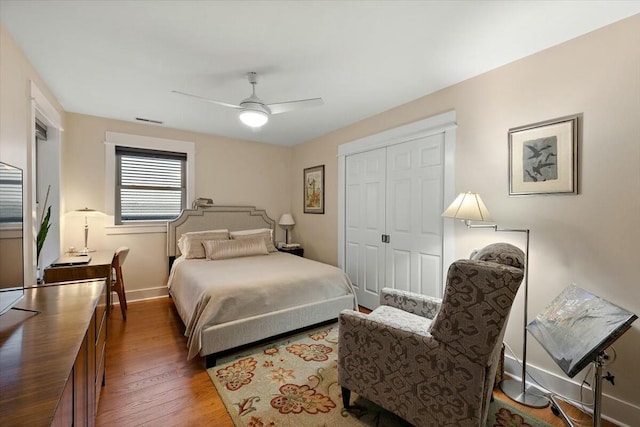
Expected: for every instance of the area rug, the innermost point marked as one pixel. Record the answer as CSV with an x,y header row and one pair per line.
x,y
293,382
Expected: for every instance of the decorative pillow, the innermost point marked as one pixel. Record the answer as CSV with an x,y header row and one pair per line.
x,y
225,249
501,253
265,233
190,244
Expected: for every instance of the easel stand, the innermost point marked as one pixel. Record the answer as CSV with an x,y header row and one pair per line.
x,y
597,395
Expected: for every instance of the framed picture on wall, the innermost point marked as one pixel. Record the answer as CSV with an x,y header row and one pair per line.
x,y
314,190
543,157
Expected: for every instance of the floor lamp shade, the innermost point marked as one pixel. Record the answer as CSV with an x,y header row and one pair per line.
x,y
469,207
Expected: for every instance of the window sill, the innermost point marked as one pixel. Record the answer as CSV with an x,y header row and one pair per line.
x,y
136,228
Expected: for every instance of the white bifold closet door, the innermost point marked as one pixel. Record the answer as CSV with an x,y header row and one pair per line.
x,y
365,256
393,227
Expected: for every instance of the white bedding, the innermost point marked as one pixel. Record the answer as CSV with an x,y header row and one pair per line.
x,y
214,292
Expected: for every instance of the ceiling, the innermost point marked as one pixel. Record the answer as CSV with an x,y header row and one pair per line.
x,y
122,59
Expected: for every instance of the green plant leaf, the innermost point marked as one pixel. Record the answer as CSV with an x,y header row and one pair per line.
x,y
42,232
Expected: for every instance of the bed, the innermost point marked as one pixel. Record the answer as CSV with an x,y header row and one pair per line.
x,y
227,303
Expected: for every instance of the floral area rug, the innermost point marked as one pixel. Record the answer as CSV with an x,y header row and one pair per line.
x,y
293,382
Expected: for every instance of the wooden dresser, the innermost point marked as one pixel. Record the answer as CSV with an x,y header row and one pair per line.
x,y
52,363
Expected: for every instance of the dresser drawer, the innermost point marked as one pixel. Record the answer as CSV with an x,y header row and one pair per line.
x,y
100,361
98,383
101,315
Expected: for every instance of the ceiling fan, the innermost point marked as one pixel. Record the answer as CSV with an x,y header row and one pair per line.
x,y
254,112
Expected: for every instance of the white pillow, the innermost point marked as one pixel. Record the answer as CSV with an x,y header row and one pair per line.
x,y
265,233
225,249
190,244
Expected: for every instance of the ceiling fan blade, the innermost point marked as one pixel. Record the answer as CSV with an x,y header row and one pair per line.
x,y
224,104
283,107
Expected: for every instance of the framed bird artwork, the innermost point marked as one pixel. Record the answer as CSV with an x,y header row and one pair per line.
x,y
543,157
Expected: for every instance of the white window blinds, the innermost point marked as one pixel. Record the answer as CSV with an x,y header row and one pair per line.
x,y
150,184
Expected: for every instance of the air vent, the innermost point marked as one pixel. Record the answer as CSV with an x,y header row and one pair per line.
x,y
157,122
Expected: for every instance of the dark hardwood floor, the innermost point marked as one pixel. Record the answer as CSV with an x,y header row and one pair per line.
x,y
150,382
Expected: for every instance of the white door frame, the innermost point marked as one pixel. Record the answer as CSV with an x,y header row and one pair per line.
x,y
46,112
442,123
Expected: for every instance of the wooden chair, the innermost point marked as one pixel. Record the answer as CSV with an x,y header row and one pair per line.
x,y
117,282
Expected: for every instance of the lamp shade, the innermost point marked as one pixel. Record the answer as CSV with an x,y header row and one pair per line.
x,y
286,220
253,118
87,211
468,206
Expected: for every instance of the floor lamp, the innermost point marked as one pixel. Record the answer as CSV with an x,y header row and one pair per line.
x,y
470,207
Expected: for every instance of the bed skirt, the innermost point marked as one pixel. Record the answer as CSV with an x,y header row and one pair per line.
x,y
218,338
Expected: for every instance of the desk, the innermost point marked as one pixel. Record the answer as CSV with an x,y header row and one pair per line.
x,y
98,267
52,363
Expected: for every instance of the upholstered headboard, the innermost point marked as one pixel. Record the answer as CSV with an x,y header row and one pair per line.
x,y
233,218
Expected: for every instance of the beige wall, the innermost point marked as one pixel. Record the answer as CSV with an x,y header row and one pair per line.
x,y
590,239
229,171
16,121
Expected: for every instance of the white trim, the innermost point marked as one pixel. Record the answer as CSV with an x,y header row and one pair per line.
x,y
147,228
342,204
449,192
138,141
430,126
615,410
39,106
442,123
143,294
45,107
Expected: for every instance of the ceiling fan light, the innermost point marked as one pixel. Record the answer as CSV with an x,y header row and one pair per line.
x,y
254,119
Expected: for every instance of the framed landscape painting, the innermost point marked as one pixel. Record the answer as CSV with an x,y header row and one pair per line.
x,y
543,157
314,190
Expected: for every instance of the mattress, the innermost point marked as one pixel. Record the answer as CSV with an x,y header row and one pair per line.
x,y
210,292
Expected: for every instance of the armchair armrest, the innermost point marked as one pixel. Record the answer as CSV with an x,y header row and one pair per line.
x,y
421,305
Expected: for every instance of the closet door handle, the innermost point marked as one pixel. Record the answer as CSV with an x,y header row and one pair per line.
x,y
386,238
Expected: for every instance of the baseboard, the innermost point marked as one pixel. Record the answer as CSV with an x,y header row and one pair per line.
x,y
622,413
143,294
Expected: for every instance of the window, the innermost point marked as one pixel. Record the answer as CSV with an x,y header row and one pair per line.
x,y
150,184
136,144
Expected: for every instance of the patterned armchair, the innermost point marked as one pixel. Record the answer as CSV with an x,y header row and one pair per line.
x,y
433,362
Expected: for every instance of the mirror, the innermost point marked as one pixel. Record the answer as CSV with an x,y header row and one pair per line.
x,y
11,236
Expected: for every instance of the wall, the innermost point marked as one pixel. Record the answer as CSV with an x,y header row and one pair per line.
x,y
590,239
16,123
232,172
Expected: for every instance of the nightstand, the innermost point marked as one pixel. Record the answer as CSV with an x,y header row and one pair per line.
x,y
293,251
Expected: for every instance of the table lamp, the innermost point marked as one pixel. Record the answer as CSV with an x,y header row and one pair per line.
x,y
470,207
286,223
87,213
